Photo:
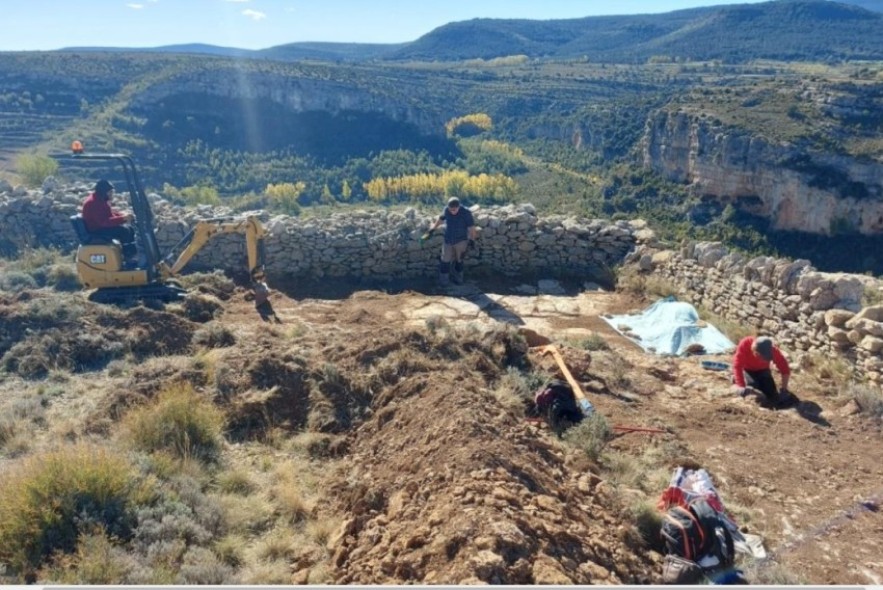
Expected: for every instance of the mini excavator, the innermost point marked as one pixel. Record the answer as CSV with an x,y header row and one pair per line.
x,y
100,263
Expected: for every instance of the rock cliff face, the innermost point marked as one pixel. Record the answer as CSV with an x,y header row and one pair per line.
x,y
794,189
297,95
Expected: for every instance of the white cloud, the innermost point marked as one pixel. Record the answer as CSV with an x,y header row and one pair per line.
x,y
254,14
135,6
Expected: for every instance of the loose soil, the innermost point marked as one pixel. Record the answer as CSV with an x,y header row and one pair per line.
x,y
432,468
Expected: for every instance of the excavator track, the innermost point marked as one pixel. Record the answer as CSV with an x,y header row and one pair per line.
x,y
157,292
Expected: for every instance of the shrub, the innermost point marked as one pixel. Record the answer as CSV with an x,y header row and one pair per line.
x,y
63,277
16,281
34,169
236,482
50,499
590,435
231,550
201,566
179,422
595,342
648,521
193,195
214,335
869,400
7,430
284,197
97,561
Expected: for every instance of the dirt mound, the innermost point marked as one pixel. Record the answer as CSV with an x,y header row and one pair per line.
x,y
442,486
46,331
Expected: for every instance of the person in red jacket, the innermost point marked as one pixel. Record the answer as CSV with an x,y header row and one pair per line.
x,y
103,221
751,368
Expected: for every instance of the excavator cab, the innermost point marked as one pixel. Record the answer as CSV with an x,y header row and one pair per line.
x,y
100,262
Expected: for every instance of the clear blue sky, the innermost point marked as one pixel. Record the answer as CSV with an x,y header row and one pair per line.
x,y
27,25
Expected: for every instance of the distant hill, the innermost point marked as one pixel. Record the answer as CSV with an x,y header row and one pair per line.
x,y
288,52
874,5
330,51
784,29
806,30
187,48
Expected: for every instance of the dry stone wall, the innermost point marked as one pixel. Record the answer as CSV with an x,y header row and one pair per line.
x,y
377,244
807,311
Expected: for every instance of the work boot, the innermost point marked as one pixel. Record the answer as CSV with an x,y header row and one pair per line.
x,y
457,273
444,279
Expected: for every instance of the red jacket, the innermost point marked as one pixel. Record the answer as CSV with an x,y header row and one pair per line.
x,y
744,359
98,215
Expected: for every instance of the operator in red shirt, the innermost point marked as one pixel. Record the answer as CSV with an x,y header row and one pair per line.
x,y
103,221
751,368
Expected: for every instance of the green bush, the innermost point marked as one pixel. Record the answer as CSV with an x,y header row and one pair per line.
x,y
179,422
34,169
49,500
595,341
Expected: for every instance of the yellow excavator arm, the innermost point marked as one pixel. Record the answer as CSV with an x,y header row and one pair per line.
x,y
204,231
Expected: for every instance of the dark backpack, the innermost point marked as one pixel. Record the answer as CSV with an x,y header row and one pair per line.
x,y
695,531
557,402
719,539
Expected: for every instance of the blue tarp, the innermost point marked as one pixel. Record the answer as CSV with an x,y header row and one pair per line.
x,y
668,327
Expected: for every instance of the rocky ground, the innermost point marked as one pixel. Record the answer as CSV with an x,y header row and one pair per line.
x,y
423,458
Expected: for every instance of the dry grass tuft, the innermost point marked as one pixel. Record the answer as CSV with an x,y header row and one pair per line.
x,y
180,422
833,371
648,522
267,573
231,550
214,335
770,573
869,400
288,492
97,561
48,499
247,515
593,342
591,436
236,481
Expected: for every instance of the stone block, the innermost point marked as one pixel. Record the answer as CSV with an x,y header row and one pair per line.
x,y
871,344
838,317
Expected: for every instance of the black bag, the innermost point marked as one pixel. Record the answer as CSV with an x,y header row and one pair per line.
x,y
677,570
682,533
557,402
718,538
697,531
